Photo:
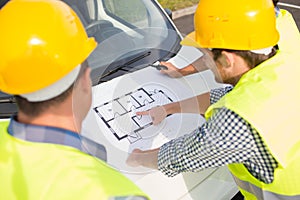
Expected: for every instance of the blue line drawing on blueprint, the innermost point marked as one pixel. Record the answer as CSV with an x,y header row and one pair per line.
x,y
119,114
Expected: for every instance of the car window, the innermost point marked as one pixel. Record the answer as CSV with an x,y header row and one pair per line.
x,y
132,11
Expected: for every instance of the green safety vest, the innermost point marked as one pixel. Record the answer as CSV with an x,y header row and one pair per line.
x,y
30,171
289,34
268,97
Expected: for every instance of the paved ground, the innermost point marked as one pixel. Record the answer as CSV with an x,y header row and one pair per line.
x,y
185,23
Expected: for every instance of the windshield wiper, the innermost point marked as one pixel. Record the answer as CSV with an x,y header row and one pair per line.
x,y
127,64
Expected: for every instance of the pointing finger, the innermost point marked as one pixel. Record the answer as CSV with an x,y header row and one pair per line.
x,y
146,112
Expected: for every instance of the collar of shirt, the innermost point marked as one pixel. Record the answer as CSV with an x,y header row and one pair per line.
x,y
54,135
277,11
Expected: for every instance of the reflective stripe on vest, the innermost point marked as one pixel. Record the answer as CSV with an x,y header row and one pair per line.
x,y
45,171
268,97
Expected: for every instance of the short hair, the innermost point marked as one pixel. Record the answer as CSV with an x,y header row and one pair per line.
x,y
36,108
252,59
3,2
275,2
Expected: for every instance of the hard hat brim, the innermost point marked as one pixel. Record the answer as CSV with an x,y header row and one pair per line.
x,y
54,89
190,40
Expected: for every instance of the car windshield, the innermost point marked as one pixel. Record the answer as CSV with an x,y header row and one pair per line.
x,y
131,34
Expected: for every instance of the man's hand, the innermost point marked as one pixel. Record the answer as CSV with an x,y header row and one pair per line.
x,y
175,72
133,158
172,71
157,114
147,158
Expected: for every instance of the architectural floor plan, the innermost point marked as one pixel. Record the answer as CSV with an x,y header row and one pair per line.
x,y
119,114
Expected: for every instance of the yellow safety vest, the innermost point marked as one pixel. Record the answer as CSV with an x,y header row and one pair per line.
x,y
30,171
268,97
289,34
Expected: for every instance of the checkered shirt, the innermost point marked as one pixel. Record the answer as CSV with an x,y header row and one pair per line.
x,y
224,139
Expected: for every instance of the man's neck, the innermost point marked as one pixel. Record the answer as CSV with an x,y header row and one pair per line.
x,y
62,120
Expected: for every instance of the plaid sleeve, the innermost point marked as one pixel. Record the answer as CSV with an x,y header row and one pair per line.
x,y
217,94
225,138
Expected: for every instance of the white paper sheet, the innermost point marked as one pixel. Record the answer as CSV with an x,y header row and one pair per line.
x,y
113,123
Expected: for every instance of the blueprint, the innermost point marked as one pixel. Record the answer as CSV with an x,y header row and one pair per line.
x,y
119,114
112,122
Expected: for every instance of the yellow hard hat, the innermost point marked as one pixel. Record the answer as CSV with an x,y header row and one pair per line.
x,y
41,41
234,24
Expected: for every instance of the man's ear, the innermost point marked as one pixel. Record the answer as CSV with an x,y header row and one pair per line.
x,y
226,59
86,80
